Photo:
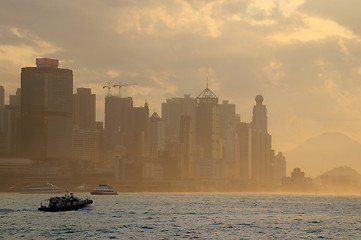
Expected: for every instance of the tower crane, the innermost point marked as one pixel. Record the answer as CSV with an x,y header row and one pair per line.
x,y
120,85
108,87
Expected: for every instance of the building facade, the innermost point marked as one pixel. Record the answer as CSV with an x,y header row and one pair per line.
x,y
46,110
172,110
84,108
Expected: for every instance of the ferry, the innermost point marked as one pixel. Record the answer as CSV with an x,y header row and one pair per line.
x,y
42,188
103,189
65,203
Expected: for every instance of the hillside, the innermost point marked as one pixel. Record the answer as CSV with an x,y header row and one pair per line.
x,y
324,152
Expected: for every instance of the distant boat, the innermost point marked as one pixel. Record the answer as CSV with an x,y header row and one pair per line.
x,y
42,188
64,203
83,188
103,189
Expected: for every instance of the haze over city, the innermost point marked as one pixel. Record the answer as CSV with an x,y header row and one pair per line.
x,y
180,119
302,56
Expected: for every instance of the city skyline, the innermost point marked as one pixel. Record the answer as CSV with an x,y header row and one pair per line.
x,y
301,56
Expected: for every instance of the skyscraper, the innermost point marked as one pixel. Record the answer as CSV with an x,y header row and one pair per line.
x,y
244,151
138,134
279,168
207,124
10,126
186,137
86,144
2,97
261,145
259,118
209,167
46,110
172,110
84,108
227,123
117,120
15,100
156,135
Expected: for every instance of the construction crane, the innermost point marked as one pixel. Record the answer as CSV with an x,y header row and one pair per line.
x,y
108,87
120,85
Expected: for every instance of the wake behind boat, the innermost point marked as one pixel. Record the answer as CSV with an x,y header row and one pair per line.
x,y
64,203
42,188
103,189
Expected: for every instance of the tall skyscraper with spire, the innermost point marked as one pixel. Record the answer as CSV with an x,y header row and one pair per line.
x,y
207,136
262,154
207,125
259,118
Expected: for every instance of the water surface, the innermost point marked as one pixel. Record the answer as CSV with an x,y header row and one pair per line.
x,y
185,216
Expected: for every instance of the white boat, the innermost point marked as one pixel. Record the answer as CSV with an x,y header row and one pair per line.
x,y
42,188
103,189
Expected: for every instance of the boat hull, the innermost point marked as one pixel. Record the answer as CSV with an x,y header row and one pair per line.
x,y
103,193
65,208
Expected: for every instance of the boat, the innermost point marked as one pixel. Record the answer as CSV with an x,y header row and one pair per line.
x,y
65,203
103,189
82,188
42,188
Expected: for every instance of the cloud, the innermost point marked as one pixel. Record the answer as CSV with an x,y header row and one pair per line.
x,y
273,72
313,29
24,52
176,17
302,56
343,47
113,73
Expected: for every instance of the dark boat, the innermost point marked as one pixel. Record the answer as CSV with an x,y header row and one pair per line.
x,y
64,203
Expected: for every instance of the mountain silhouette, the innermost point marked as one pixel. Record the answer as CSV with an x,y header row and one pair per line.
x,y
318,155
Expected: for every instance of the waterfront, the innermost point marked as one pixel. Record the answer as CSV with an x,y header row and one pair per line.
x,y
185,216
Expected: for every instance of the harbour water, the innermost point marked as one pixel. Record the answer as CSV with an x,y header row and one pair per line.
x,y
185,216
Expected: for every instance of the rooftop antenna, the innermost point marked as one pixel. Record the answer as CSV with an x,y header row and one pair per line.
x,y
108,87
120,85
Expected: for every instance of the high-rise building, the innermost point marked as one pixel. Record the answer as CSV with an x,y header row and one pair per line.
x,y
186,138
117,121
227,123
15,100
86,135
244,151
84,108
172,110
46,110
210,166
138,134
207,124
262,154
279,168
2,97
259,119
10,126
156,136
261,158
85,146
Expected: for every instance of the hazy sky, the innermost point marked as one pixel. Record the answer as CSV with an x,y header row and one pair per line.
x,y
302,56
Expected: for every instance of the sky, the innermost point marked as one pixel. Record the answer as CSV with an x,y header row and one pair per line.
x,y
303,56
